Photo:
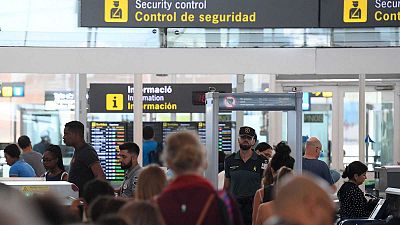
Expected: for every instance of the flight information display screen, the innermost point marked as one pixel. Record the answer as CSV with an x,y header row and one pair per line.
x,y
105,137
163,129
171,127
224,135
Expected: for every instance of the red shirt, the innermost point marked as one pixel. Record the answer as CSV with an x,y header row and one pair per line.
x,y
183,200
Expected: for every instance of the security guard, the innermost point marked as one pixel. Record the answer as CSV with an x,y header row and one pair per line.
x,y
128,154
243,173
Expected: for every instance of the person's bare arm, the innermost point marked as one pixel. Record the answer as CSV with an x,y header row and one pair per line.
x,y
256,203
98,171
334,188
227,183
65,177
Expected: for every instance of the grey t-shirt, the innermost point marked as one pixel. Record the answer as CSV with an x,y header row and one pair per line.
x,y
35,160
318,168
129,185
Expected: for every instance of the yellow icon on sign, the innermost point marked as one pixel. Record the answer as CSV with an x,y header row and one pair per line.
x,y
116,11
114,102
7,92
355,11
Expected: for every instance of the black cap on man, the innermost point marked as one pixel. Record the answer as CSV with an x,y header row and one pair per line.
x,y
246,138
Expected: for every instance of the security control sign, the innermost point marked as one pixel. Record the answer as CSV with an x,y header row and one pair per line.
x,y
360,13
199,13
157,98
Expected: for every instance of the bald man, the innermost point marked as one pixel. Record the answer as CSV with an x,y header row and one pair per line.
x,y
302,200
312,164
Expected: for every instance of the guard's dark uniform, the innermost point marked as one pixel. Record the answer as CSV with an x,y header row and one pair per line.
x,y
245,180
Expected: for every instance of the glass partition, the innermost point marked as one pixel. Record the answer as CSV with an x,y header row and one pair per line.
x,y
36,105
379,128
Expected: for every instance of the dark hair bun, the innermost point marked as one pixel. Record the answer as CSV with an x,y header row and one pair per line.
x,y
345,172
354,168
282,157
282,149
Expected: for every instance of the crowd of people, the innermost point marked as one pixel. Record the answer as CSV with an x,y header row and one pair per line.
x,y
260,186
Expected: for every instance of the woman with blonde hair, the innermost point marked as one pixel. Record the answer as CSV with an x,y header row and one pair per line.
x,y
189,198
152,180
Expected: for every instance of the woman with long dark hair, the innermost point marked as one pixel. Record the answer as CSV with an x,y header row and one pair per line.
x,y
53,163
353,204
280,159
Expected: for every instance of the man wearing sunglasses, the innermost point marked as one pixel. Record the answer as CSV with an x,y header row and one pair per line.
x,y
243,173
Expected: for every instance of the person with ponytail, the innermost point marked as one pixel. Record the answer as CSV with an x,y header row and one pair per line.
x,y
265,210
281,159
353,204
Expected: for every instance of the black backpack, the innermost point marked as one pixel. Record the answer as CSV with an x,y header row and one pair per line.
x,y
155,155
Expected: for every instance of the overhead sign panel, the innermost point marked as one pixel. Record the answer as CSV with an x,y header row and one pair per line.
x,y
157,98
12,89
257,101
59,100
360,13
199,13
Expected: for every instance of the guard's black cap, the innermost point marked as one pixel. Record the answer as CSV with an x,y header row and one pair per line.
x,y
248,131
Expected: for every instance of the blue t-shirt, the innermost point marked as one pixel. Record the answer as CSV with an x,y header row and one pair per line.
x,y
148,146
21,169
318,168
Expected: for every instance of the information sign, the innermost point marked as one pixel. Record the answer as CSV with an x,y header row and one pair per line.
x,y
157,98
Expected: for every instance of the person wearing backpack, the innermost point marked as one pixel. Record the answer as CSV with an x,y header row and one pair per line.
x,y
151,148
190,198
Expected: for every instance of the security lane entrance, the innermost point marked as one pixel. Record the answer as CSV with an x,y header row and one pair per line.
x,y
216,102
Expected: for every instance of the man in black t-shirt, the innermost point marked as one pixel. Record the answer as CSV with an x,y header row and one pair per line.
x,y
85,165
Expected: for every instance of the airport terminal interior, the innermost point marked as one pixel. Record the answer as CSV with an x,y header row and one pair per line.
x,y
118,79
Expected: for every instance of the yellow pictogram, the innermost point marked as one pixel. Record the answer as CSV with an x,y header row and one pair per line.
x,y
114,102
116,11
355,11
7,91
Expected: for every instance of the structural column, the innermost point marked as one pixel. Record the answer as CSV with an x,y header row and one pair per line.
x,y
275,119
362,120
239,115
396,133
138,114
81,100
337,129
